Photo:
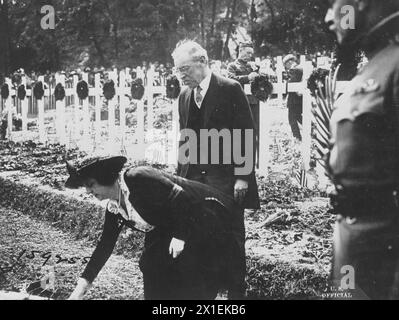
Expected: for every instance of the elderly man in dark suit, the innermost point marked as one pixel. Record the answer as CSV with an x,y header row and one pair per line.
x,y
211,102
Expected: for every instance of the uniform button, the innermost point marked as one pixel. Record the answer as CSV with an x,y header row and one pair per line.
x,y
203,172
351,221
340,187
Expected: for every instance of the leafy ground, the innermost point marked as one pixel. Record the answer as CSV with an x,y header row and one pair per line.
x,y
20,235
289,239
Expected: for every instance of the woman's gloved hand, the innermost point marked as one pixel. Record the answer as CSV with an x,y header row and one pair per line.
x,y
81,288
176,247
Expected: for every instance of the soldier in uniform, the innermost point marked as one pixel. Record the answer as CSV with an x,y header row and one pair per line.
x,y
364,156
244,72
294,99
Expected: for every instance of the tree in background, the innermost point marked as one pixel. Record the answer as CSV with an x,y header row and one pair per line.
x,y
282,26
125,33
4,39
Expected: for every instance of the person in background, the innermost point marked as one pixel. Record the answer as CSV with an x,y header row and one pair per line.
x,y
156,66
244,71
169,68
223,70
294,99
215,67
364,156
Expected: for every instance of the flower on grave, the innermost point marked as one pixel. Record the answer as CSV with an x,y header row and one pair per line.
x,y
137,89
38,90
59,92
262,88
317,80
109,90
21,92
172,87
82,90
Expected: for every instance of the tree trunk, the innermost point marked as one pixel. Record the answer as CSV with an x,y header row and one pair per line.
x,y
99,50
113,19
211,40
213,21
226,53
4,38
93,36
116,41
201,7
271,9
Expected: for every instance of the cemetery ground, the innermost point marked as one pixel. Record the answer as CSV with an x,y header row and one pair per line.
x,y
288,241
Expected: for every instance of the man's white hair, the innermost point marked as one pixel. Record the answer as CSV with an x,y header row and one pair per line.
x,y
192,49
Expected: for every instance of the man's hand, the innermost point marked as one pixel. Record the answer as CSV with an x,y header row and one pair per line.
x,y
240,190
176,247
81,288
252,76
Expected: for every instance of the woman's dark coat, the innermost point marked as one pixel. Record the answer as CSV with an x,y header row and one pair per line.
x,y
181,209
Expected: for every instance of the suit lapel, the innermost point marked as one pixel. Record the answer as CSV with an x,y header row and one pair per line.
x,y
187,103
211,99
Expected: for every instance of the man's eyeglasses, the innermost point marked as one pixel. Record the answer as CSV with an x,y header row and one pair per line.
x,y
181,70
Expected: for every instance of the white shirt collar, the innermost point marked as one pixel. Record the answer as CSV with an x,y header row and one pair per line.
x,y
204,86
205,83
131,214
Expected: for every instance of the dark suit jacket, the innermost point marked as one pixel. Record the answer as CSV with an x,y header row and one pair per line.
x,y
295,75
225,106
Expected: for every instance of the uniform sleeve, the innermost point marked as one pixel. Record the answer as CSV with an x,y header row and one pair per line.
x,y
243,120
156,192
106,245
232,74
395,96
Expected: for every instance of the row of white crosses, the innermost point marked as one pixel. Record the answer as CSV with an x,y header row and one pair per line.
x,y
280,88
121,97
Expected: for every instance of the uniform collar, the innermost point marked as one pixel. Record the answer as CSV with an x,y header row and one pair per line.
x,y
381,35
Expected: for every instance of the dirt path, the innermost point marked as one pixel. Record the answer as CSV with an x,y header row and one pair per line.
x,y
120,279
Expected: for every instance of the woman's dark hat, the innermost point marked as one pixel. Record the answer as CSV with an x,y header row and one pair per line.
x,y
90,168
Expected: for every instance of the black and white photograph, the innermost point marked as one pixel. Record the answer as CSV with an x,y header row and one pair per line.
x,y
178,151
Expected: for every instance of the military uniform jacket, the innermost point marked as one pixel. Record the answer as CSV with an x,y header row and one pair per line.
x,y
239,71
365,125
